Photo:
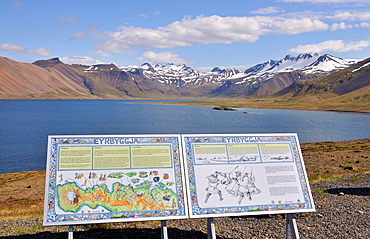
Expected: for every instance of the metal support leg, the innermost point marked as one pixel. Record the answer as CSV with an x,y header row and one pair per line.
x,y
164,234
70,232
211,229
291,227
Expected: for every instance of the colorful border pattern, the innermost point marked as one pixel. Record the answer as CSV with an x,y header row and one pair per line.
x,y
197,211
52,218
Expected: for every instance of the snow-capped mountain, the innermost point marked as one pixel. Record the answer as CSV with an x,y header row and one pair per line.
x,y
308,63
180,76
52,77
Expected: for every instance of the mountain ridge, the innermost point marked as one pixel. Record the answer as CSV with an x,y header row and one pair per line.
x,y
52,78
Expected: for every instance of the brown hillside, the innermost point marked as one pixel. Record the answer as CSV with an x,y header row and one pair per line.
x,y
280,81
27,79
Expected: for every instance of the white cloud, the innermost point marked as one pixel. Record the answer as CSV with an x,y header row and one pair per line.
x,y
103,53
10,47
94,29
268,10
142,15
40,51
363,25
299,25
162,57
77,36
81,60
332,45
352,16
341,26
207,30
68,19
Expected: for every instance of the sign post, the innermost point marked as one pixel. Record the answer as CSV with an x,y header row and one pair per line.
x,y
211,231
102,179
105,178
291,227
246,174
164,234
70,232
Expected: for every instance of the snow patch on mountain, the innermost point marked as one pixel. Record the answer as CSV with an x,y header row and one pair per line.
x,y
182,75
365,65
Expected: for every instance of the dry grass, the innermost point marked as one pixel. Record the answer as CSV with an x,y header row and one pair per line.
x,y
280,103
325,160
22,194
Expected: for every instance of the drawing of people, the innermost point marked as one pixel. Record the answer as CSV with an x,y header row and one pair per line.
x,y
84,184
231,179
213,182
235,177
247,187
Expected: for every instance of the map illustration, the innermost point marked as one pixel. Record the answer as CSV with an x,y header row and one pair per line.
x,y
145,193
98,179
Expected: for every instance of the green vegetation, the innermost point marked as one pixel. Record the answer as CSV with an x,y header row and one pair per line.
x,y
299,103
22,194
355,179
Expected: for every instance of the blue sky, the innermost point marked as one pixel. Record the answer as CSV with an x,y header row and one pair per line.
x,y
200,34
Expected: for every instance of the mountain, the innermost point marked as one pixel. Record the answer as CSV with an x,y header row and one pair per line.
x,y
53,79
351,79
28,80
269,77
342,90
306,63
260,80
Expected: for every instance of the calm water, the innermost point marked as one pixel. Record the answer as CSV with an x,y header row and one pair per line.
x,y
25,124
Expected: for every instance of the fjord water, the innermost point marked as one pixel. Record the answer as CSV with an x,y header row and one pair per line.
x,y
25,124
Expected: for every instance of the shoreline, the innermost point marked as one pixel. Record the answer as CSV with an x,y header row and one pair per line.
x,y
275,106
302,144
262,103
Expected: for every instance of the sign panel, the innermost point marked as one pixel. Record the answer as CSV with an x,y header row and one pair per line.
x,y
230,175
99,179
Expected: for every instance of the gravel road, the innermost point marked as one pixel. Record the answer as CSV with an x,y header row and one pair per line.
x,y
342,211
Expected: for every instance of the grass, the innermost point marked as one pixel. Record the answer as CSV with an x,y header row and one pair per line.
x,y
28,230
281,103
328,160
355,179
22,194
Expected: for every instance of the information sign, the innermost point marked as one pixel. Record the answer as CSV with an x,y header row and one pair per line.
x,y
99,179
229,175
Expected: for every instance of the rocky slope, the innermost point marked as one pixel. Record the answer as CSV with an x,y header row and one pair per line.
x,y
54,79
351,84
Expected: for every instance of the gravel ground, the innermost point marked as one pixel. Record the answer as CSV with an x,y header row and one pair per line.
x,y
342,211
